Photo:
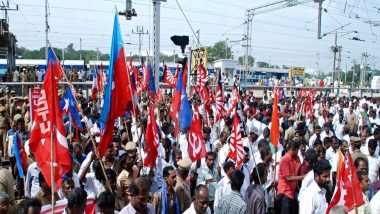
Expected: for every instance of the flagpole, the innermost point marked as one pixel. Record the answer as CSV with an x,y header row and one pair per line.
x,y
274,171
352,183
52,168
91,137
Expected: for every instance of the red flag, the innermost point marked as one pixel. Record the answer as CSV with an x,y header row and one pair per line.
x,y
95,88
145,77
307,107
236,147
233,100
48,132
152,141
196,146
347,183
158,98
168,78
275,127
201,78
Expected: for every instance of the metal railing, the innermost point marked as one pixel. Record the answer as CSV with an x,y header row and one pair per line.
x,y
337,91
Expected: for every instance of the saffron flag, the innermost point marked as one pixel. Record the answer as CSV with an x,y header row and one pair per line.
x,y
117,97
275,127
20,155
48,133
69,106
236,151
101,79
196,146
347,183
152,140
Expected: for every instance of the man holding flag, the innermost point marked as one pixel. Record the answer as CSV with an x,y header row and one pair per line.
x,y
48,138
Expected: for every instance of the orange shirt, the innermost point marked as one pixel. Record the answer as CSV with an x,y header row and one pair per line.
x,y
288,166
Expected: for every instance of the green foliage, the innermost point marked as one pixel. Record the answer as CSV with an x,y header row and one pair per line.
x,y
262,64
220,50
251,60
70,54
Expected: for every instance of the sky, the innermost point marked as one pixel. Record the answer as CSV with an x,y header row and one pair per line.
x,y
286,36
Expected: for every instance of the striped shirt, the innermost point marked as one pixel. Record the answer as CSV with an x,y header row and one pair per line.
x,y
231,203
255,199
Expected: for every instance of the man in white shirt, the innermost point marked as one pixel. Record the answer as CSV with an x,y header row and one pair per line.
x,y
316,135
251,141
376,138
39,75
338,127
313,198
32,183
327,131
200,202
16,76
224,185
373,162
139,198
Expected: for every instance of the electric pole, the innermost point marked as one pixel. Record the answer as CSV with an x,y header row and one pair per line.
x,y
10,39
46,29
363,73
80,48
319,17
336,49
156,40
140,31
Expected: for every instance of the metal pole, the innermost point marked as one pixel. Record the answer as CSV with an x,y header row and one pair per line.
x,y
339,61
156,26
46,29
80,48
334,49
319,19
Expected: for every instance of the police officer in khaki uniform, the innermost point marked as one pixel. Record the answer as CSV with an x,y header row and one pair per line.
x,y
181,188
3,130
128,174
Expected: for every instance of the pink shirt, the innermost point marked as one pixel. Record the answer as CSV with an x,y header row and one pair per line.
x,y
287,167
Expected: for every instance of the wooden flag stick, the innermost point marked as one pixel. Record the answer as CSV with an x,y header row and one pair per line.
x,y
352,184
52,168
88,130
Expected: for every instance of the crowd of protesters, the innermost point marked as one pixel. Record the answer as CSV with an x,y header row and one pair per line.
x,y
298,177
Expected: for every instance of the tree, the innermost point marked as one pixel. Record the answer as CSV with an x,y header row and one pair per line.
x,y
251,60
219,50
262,64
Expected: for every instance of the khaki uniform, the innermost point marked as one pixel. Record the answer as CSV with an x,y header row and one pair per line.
x,y
6,185
3,129
123,183
45,199
289,134
183,194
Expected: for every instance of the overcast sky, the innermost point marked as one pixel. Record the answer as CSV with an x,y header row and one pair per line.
x,y
284,37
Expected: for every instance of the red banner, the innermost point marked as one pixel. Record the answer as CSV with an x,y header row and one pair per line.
x,y
34,95
60,206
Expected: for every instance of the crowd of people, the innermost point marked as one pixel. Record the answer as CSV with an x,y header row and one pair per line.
x,y
297,177
35,74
